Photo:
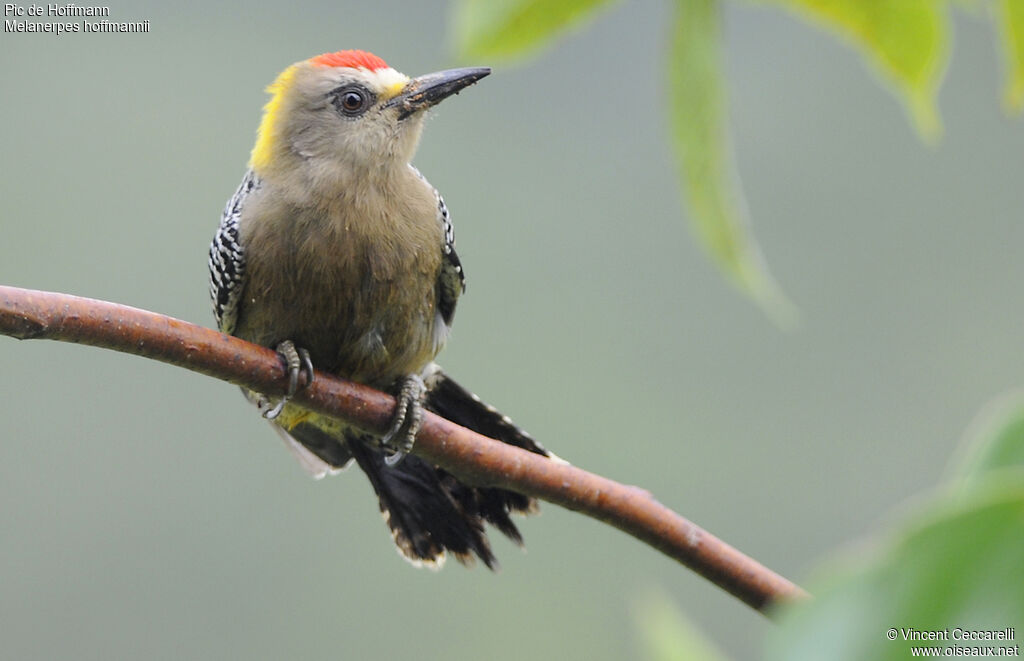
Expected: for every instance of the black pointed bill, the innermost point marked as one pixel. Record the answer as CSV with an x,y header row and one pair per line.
x,y
429,90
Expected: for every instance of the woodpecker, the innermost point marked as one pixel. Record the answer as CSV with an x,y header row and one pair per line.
x,y
336,252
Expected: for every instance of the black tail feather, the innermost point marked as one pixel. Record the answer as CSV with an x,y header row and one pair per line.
x,y
428,511
449,400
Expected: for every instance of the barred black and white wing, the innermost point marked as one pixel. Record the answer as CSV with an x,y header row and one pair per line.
x,y
452,280
227,258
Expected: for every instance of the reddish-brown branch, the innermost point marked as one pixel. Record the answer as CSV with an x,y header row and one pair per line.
x,y
29,314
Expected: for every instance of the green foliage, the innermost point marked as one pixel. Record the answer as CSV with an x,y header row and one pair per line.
x,y
666,634
955,562
1011,21
995,441
697,111
906,41
516,28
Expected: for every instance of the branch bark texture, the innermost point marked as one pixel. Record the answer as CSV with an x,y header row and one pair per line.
x,y
31,314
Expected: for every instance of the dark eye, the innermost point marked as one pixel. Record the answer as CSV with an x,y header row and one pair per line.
x,y
352,100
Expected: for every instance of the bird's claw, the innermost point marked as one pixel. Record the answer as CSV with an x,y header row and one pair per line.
x,y
408,419
296,361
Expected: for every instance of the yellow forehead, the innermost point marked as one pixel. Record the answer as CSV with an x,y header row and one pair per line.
x,y
388,81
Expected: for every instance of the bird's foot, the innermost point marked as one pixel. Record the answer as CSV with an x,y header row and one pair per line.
x,y
400,438
296,361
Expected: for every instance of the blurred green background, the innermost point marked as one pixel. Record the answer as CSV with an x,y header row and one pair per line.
x,y
146,512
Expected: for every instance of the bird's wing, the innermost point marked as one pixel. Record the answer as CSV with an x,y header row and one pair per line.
x,y
451,281
227,257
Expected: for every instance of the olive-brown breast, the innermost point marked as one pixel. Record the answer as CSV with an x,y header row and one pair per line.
x,y
353,280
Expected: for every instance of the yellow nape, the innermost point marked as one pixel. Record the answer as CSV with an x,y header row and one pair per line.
x,y
268,133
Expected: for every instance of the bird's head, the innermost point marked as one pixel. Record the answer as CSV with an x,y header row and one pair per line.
x,y
348,114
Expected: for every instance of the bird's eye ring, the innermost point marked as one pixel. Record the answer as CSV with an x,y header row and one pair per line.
x,y
352,100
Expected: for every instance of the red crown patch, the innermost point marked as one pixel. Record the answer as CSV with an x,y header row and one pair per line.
x,y
353,59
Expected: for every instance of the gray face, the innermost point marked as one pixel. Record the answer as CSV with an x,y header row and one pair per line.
x,y
364,120
344,117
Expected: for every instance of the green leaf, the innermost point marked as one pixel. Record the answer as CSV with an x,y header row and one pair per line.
x,y
907,41
697,109
515,28
1010,15
957,564
666,634
995,440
